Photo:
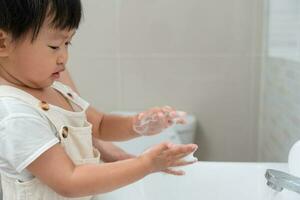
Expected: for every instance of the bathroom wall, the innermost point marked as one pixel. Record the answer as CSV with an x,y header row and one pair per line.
x,y
280,97
201,56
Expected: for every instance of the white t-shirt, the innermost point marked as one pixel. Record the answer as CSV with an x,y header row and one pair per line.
x,y
24,135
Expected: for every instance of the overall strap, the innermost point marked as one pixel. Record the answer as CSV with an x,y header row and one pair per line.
x,y
70,95
41,106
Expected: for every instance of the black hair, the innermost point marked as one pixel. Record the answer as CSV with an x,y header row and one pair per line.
x,y
18,17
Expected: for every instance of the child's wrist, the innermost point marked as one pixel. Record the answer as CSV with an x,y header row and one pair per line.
x,y
122,155
134,120
146,163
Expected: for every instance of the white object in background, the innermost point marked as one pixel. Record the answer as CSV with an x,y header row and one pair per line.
x,y
186,132
294,159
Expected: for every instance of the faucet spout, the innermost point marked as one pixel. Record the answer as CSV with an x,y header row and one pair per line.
x,y
279,180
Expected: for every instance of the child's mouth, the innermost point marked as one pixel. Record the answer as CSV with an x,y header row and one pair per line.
x,y
56,75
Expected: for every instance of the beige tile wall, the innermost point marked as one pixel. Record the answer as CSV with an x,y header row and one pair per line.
x,y
280,99
196,55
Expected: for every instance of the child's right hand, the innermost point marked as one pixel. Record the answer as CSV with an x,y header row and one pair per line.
x,y
166,155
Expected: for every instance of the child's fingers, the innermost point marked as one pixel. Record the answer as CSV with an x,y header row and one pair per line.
x,y
181,156
164,146
174,172
161,147
181,149
171,145
168,109
177,117
158,118
169,113
183,163
162,120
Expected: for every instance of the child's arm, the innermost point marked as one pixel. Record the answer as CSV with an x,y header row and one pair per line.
x,y
55,169
118,128
110,127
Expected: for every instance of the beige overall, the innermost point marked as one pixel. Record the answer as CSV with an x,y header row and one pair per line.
x,y
73,132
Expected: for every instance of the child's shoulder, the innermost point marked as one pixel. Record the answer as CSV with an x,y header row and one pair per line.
x,y
10,106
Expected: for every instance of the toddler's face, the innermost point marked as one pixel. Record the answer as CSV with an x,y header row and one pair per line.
x,y
37,64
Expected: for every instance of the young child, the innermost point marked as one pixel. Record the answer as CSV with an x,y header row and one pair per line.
x,y
46,129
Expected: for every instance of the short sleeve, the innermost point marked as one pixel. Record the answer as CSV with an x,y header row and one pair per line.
x,y
23,138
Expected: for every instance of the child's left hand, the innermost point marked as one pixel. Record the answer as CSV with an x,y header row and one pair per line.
x,y
155,120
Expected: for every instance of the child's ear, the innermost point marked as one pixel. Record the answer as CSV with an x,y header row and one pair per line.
x,y
5,43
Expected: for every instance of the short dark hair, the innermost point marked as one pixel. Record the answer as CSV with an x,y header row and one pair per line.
x,y
18,17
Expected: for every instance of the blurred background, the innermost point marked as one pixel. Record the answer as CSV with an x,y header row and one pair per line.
x,y
232,64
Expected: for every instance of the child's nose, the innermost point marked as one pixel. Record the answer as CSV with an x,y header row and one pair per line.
x,y
62,59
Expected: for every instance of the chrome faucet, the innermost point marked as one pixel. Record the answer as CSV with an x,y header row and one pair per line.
x,y
279,180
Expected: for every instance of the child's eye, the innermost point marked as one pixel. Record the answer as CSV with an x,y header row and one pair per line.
x,y
53,47
57,47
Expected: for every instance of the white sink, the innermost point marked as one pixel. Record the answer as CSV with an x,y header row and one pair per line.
x,y
207,181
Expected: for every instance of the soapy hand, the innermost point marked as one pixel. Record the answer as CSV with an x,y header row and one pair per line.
x,y
155,120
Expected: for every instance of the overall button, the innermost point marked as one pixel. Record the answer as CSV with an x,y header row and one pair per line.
x,y
65,132
70,95
44,105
